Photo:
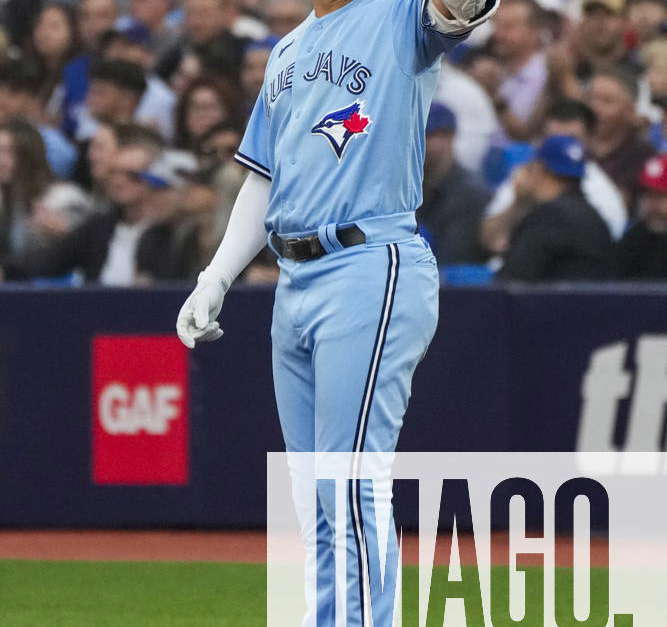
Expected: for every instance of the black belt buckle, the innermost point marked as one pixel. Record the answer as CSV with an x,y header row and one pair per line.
x,y
304,248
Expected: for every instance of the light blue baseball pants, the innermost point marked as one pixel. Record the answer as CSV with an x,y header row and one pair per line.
x,y
348,332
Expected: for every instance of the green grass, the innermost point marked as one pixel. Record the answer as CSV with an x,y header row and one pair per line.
x,y
121,594
94,594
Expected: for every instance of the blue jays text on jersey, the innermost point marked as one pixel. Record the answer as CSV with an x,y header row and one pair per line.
x,y
353,72
337,71
339,125
343,72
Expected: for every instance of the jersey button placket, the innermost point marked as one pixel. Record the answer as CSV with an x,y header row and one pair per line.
x,y
307,45
313,33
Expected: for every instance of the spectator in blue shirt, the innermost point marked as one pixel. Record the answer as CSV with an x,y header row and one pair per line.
x,y
95,17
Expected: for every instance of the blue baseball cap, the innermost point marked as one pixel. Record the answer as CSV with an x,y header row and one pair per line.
x,y
135,33
268,44
172,170
440,118
563,155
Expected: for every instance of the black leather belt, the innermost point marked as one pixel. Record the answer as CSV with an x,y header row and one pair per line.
x,y
309,248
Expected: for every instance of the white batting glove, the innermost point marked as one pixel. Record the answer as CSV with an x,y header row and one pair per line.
x,y
465,10
197,320
467,14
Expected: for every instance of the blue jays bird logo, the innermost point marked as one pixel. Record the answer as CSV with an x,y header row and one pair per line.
x,y
341,126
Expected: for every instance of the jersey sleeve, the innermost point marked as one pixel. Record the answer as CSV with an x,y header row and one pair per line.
x,y
417,43
254,153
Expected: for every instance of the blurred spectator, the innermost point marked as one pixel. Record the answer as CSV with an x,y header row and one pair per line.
x,y
186,230
643,250
158,102
485,69
97,163
116,91
647,18
654,55
252,7
102,152
600,44
170,247
220,173
55,42
204,104
477,123
157,17
617,143
18,84
35,209
19,97
245,24
561,237
19,16
4,42
189,68
255,61
217,147
193,69
517,43
574,119
454,198
208,33
283,16
95,17
105,247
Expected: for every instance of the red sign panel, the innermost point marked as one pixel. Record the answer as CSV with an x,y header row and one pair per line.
x,y
140,411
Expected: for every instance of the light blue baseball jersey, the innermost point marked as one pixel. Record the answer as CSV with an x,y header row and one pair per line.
x,y
339,127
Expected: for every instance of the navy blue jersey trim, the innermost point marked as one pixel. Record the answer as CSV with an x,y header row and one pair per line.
x,y
378,348
355,486
291,43
253,165
257,163
356,511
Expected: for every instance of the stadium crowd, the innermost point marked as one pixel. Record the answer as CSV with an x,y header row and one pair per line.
x,y
546,149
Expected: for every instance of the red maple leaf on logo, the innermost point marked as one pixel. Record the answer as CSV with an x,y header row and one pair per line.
x,y
355,123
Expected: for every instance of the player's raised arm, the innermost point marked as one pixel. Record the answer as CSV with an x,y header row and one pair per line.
x,y
244,239
425,29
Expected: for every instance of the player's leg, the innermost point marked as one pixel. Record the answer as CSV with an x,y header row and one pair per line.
x,y
377,318
295,397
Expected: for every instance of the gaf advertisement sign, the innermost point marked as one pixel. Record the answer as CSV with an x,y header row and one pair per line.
x,y
140,411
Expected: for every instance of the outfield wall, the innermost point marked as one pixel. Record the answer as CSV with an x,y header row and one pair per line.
x,y
106,421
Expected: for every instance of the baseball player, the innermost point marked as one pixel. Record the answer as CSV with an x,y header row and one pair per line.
x,y
335,149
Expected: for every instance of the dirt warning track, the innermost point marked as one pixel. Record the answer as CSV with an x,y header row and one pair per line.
x,y
187,546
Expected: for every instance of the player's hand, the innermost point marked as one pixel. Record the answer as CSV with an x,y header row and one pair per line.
x,y
197,320
463,11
